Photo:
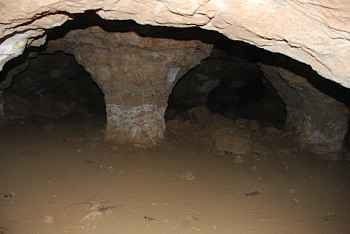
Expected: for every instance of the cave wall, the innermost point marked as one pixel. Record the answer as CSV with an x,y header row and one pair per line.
x,y
136,74
320,121
314,32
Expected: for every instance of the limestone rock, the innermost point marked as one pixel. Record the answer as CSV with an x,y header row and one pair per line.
x,y
142,126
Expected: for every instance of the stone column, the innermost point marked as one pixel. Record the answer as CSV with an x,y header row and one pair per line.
x,y
141,125
136,74
136,97
319,120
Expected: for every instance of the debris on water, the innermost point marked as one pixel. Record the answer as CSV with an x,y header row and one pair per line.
x,y
95,209
149,219
7,196
329,217
187,175
100,165
48,219
3,230
253,193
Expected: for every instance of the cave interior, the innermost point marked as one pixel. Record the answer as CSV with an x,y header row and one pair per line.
x,y
131,96
47,84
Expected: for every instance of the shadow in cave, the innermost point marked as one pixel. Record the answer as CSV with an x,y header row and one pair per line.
x,y
51,88
229,86
90,18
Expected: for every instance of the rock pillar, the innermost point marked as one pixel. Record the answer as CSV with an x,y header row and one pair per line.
x,y
136,74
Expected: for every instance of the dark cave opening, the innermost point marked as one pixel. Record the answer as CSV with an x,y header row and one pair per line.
x,y
230,86
51,88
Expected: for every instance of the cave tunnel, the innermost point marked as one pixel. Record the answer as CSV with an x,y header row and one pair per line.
x,y
45,88
228,85
196,133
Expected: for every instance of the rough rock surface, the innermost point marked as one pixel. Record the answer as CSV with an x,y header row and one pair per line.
x,y
320,121
314,32
136,74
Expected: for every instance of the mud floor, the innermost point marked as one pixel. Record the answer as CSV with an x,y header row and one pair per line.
x,y
62,178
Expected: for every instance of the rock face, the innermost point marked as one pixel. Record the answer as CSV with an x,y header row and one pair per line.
x,y
136,75
320,121
314,32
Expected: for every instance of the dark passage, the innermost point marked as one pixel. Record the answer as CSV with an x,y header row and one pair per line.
x,y
230,86
51,87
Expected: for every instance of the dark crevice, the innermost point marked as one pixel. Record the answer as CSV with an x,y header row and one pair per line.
x,y
90,18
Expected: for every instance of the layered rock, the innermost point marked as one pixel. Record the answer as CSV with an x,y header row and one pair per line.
x,y
320,121
136,75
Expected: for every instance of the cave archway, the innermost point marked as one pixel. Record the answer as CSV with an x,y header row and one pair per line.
x,y
44,88
229,85
293,96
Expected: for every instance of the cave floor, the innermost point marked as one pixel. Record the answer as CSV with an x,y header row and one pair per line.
x,y
65,179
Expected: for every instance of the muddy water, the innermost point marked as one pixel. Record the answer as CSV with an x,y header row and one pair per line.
x,y
57,179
